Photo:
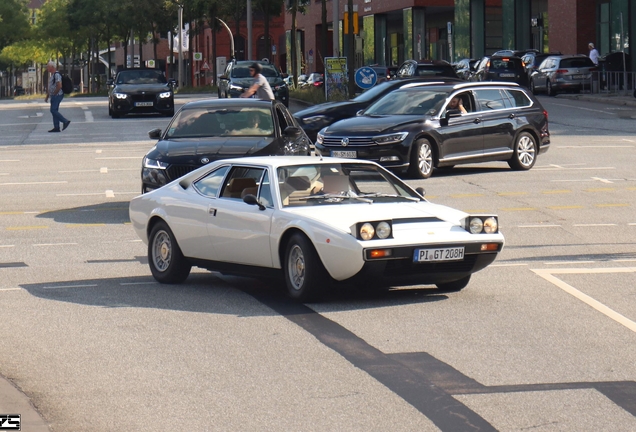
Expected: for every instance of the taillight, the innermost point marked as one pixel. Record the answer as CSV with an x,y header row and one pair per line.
x,y
317,83
545,114
561,71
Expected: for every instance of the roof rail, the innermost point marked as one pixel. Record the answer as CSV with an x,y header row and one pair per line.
x,y
424,83
486,83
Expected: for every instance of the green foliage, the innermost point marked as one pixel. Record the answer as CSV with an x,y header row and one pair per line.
x,y
14,22
312,95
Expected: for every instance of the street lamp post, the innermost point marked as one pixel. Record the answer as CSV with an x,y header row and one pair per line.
x,y
249,30
181,46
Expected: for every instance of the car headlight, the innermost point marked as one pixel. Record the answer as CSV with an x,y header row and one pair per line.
x,y
391,138
235,87
321,136
165,95
152,163
120,95
373,230
316,120
383,230
367,231
485,224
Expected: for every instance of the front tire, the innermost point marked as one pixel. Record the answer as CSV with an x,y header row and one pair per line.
x,y
166,261
549,89
421,166
305,275
454,286
533,88
525,152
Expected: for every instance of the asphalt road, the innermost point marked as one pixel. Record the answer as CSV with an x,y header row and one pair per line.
x,y
543,340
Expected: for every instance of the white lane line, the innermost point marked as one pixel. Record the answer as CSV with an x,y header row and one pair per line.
x,y
110,194
117,157
55,244
574,169
7,246
628,140
568,262
603,147
538,226
549,276
631,224
32,183
84,107
624,260
584,109
9,160
137,283
103,170
4,173
602,180
593,225
10,289
77,171
79,194
89,117
508,265
69,286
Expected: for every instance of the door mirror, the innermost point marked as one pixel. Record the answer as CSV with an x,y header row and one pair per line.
x,y
292,132
359,113
420,190
154,134
252,200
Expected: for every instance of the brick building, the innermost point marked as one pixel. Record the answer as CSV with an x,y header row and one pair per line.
x,y
391,31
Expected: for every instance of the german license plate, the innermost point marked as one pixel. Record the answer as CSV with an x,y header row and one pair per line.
x,y
140,104
578,77
507,75
351,154
441,254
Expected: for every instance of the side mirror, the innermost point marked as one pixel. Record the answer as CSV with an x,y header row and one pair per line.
x,y
154,134
420,190
252,200
359,113
292,132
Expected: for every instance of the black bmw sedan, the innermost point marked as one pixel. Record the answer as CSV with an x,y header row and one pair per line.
x,y
318,116
140,91
424,126
208,130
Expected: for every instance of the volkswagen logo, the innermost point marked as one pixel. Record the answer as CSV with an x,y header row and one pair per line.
x,y
205,160
344,142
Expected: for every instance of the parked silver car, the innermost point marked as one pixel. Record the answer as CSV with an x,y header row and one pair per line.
x,y
562,73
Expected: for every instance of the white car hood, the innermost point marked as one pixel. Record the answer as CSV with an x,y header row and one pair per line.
x,y
344,216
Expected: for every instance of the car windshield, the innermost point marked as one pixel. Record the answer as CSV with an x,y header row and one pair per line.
x,y
413,101
505,63
576,63
340,183
243,71
218,122
373,92
433,70
141,77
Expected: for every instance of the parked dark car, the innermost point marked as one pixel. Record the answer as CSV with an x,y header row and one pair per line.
x,y
412,128
501,68
430,68
18,91
318,116
465,68
140,91
212,129
563,73
237,79
533,59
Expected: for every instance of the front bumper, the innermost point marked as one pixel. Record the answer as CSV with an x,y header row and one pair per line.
x,y
391,156
142,105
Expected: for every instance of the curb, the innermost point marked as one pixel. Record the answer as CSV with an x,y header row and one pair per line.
x,y
13,401
612,100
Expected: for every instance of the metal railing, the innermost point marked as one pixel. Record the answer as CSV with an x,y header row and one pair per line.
x,y
616,83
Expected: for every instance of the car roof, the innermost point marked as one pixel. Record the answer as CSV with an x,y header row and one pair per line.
x,y
461,85
282,161
219,103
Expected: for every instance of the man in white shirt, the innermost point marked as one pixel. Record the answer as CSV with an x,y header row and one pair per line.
x,y
54,91
593,53
261,86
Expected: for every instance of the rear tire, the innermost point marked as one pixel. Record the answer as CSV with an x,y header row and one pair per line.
x,y
454,286
549,89
533,88
305,275
421,166
166,261
525,152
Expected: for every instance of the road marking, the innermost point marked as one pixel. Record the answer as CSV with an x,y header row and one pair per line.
x,y
137,283
593,225
571,207
538,226
89,117
508,265
518,209
10,289
602,180
568,262
7,246
574,169
32,183
69,286
26,228
552,192
512,193
9,160
103,170
55,244
603,147
612,205
624,260
599,190
549,276
11,213
77,194
110,194
120,157
584,109
4,173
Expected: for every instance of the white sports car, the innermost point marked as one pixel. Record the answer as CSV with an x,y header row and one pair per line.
x,y
312,220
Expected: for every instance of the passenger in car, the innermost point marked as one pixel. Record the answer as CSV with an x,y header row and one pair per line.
x,y
456,103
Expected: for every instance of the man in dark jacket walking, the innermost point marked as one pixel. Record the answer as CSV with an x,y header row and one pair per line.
x,y
54,91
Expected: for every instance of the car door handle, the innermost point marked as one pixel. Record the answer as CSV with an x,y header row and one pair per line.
x,y
511,116
477,121
211,211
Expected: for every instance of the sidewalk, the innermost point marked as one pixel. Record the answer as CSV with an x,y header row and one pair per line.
x,y
13,401
608,99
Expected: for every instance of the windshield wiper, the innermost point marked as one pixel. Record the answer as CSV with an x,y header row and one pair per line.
x,y
385,195
332,196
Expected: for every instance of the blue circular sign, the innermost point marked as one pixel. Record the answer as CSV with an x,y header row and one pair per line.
x,y
366,77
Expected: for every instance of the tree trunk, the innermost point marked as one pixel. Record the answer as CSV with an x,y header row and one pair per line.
x,y
293,53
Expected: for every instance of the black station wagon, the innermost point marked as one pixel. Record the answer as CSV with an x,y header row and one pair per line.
x,y
415,128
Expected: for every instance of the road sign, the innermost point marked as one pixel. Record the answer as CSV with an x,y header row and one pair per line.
x,y
197,56
150,63
366,77
205,65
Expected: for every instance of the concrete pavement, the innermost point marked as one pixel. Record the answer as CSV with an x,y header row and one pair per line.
x,y
13,401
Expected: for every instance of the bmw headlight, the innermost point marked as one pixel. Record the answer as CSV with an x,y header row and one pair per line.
x,y
316,120
383,230
120,95
391,138
165,95
481,224
156,164
367,231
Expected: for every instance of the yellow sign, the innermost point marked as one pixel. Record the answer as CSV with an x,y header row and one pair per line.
x,y
345,23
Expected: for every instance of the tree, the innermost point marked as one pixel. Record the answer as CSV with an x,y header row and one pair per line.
x,y
14,22
293,7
